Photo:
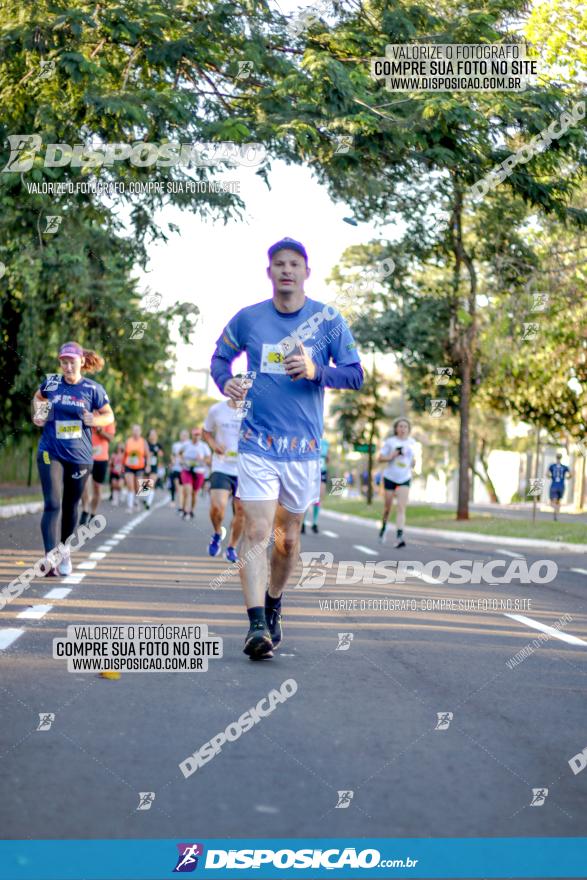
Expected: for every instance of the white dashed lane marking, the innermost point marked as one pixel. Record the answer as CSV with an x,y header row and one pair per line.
x,y
35,613
366,550
73,578
57,593
8,636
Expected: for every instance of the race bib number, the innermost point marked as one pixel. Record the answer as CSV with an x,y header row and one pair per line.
x,y
230,455
272,358
400,463
133,459
68,430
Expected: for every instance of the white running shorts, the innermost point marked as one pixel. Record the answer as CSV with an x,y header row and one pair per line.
x,y
295,484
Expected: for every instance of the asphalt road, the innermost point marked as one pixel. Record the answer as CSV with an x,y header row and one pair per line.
x,y
363,718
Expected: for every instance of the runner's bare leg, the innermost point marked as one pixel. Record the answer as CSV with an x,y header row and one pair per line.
x,y
258,524
285,549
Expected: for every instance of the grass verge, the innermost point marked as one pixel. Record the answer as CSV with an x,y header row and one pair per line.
x,y
423,516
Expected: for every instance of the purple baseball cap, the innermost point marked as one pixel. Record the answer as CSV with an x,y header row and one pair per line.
x,y
71,349
289,244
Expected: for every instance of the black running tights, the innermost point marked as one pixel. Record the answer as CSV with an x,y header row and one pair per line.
x,y
63,484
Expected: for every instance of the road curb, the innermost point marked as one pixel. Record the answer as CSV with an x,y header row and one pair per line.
x,y
465,536
9,510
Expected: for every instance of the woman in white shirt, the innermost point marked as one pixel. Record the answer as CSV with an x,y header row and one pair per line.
x,y
398,453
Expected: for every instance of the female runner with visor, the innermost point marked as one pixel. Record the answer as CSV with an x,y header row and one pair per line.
x,y
66,407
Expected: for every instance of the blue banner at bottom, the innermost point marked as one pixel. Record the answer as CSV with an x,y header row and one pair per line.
x,y
274,859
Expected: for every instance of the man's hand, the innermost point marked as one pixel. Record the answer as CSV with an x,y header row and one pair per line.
x,y
234,389
219,449
300,365
88,417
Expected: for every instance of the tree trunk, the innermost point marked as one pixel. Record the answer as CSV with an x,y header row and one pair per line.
x,y
464,342
370,465
487,481
463,497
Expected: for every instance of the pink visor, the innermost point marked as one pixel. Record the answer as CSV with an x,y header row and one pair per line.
x,y
71,349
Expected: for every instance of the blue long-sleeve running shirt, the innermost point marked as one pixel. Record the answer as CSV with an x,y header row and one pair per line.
x,y
284,419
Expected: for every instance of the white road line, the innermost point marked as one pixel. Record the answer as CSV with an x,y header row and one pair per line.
x,y
119,535
366,550
535,624
111,544
8,636
35,613
329,534
103,548
73,578
580,570
96,555
509,553
57,593
86,566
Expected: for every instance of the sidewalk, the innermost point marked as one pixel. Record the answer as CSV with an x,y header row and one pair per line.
x,y
462,535
20,506
522,509
15,489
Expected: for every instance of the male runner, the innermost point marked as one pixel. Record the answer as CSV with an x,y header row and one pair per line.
x,y
221,430
324,445
279,446
557,473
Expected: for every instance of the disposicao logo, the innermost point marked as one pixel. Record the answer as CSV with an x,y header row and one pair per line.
x,y
187,859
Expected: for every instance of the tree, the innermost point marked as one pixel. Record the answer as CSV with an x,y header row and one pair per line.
x,y
134,75
559,29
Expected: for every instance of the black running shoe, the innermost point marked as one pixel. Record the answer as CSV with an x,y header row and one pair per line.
x,y
303,529
400,543
84,517
258,642
274,626
315,528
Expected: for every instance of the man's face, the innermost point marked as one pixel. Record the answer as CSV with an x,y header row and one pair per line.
x,y
287,272
196,435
